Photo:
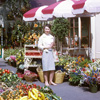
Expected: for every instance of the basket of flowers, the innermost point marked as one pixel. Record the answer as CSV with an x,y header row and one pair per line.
x,y
92,80
29,76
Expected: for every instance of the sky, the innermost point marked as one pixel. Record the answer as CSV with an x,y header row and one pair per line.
x,y
38,3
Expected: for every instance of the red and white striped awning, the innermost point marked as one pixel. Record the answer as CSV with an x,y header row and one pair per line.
x,y
59,9
86,6
34,14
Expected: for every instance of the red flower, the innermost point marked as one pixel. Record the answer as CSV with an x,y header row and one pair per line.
x,y
73,70
34,85
93,60
83,69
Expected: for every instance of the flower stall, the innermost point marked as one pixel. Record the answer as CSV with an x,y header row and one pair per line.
x,y
13,88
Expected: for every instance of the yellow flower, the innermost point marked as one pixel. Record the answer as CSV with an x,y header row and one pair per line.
x,y
29,33
83,58
35,25
61,59
19,25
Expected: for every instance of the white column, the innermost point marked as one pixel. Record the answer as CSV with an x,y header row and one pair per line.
x,y
79,31
93,37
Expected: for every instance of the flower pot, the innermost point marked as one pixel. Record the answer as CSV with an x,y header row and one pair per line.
x,y
93,88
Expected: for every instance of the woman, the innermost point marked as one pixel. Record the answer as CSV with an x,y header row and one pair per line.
x,y
46,43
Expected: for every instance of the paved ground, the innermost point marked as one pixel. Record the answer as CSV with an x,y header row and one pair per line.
x,y
66,91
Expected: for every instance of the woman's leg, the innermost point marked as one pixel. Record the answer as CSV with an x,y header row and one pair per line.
x,y
46,78
51,78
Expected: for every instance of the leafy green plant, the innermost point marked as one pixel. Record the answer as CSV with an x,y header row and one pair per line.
x,y
20,29
49,93
10,51
60,29
75,77
17,6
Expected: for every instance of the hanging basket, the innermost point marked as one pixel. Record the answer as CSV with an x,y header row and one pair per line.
x,y
93,88
59,76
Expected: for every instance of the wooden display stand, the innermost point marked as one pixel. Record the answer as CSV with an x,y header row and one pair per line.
x,y
32,54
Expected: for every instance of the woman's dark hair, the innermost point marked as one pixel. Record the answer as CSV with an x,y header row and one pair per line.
x,y
47,25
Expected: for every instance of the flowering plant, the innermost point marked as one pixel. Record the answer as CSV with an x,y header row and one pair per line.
x,y
31,38
20,57
83,62
92,77
62,61
75,76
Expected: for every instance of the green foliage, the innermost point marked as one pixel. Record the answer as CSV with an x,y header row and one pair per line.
x,y
9,52
75,77
10,79
85,63
60,28
19,30
63,60
49,93
17,7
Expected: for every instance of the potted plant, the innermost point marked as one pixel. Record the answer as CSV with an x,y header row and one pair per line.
x,y
91,80
75,77
60,29
62,63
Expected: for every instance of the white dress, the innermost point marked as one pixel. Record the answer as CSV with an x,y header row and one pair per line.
x,y
47,57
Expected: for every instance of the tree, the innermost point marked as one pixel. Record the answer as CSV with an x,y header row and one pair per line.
x,y
60,29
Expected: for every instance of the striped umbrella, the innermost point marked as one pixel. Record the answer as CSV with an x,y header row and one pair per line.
x,y
59,9
34,14
86,6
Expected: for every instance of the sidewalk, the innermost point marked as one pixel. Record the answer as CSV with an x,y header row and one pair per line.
x,y
66,91
5,65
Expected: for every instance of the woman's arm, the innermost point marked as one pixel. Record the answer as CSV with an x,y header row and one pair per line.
x,y
40,44
53,43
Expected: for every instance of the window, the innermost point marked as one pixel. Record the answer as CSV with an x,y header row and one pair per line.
x,y
73,38
85,21
73,35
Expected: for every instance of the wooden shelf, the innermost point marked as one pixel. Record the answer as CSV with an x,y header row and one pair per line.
x,y
32,49
33,56
34,65
30,46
